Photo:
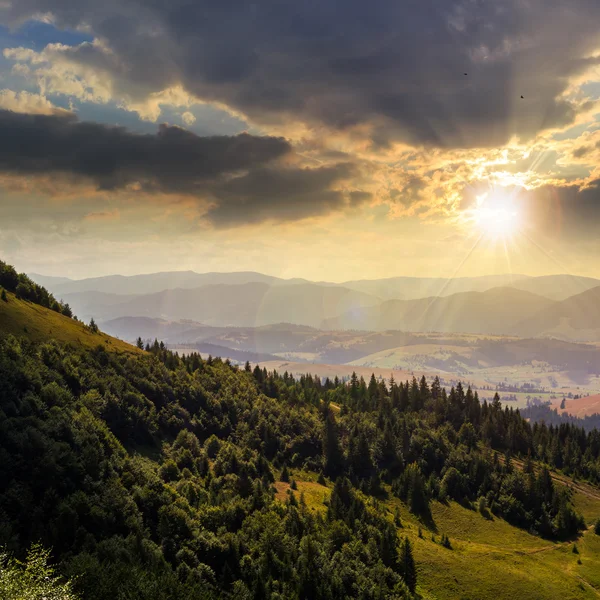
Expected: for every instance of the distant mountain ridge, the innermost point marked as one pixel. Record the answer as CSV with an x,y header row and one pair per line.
x,y
240,305
495,311
562,306
555,287
156,282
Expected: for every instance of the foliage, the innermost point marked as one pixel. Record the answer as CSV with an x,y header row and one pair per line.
x,y
24,288
32,579
152,475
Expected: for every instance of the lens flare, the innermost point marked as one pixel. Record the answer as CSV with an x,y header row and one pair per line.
x,y
496,216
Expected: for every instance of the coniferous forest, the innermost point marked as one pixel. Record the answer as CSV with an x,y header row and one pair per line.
x,y
149,475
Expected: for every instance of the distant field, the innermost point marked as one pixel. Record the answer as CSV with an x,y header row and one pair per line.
x,y
580,407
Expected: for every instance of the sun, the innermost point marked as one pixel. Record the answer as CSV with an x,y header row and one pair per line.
x,y
496,216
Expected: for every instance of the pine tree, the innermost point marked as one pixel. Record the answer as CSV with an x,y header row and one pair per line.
x,y
333,457
407,566
285,475
139,343
93,327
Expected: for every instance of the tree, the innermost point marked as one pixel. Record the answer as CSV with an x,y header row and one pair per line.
x,y
3,296
65,309
407,566
139,343
33,579
93,327
333,457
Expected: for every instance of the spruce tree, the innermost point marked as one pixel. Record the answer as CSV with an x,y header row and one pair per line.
x,y
139,343
407,566
333,458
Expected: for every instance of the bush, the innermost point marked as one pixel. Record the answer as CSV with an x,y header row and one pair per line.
x,y
33,579
3,296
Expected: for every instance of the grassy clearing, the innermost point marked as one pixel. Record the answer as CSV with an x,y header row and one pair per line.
x,y
491,559
315,495
25,319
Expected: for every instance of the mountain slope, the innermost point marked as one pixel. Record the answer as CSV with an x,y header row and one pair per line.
x,y
556,287
576,318
413,288
495,311
22,318
245,305
156,282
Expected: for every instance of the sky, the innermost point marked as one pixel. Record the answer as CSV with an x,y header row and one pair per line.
x,y
319,139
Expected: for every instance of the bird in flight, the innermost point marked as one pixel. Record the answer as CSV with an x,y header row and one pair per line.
x,y
522,97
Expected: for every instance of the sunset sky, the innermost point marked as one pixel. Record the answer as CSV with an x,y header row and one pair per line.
x,y
319,139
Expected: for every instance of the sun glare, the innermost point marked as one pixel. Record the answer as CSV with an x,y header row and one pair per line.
x,y
496,216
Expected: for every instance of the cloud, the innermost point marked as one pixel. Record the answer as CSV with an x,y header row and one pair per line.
x,y
24,102
103,216
243,178
390,69
188,118
570,211
173,160
257,196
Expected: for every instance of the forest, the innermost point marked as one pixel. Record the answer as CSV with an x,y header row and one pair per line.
x,y
149,475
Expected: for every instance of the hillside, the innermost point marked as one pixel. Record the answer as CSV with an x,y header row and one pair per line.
x,y
161,479
496,311
249,304
158,477
414,288
154,282
577,317
579,407
24,318
556,287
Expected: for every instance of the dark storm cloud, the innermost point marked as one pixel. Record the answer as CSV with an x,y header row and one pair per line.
x,y
173,160
398,66
258,196
239,175
569,211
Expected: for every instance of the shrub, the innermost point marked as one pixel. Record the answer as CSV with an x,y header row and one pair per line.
x,y
33,579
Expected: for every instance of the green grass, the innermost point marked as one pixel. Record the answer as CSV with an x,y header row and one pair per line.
x,y
39,324
492,559
489,559
315,494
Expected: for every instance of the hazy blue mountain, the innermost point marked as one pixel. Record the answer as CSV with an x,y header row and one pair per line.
x,y
412,288
495,311
244,305
157,282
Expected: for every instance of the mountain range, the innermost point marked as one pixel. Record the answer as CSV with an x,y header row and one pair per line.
x,y
561,306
